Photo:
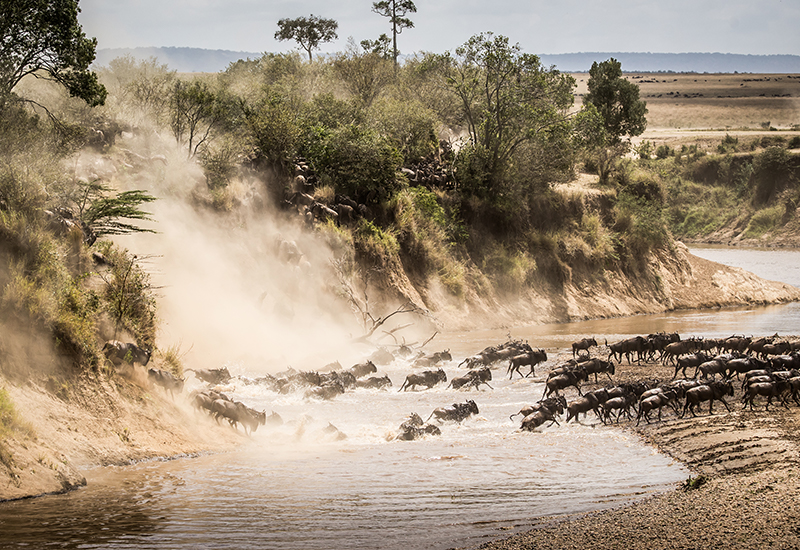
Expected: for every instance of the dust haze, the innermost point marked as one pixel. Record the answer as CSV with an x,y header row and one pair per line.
x,y
229,293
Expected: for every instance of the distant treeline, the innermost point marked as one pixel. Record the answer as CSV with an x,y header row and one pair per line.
x,y
203,60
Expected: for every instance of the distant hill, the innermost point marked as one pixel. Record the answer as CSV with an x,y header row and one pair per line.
x,y
194,60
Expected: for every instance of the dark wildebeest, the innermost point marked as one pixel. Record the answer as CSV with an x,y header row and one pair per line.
x,y
584,404
236,412
583,345
433,359
627,347
455,412
555,405
428,378
655,401
124,352
776,388
689,362
536,419
531,358
166,380
212,376
326,392
414,428
473,378
597,365
374,382
362,369
715,389
565,380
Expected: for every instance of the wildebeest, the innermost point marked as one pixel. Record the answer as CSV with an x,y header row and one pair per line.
x,y
428,378
554,404
715,389
362,369
531,358
212,376
433,359
374,382
635,344
414,427
653,402
236,412
584,404
455,412
326,392
597,365
583,345
536,419
166,380
564,380
775,388
124,352
473,378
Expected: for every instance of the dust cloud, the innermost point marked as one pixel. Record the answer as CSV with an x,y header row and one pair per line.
x,y
250,289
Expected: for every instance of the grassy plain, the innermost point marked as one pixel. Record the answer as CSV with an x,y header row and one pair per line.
x,y
699,108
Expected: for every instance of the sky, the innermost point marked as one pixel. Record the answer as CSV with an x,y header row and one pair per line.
x,y
539,26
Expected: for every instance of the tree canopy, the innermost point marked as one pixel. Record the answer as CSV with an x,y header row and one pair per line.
x,y
309,31
508,98
43,38
617,101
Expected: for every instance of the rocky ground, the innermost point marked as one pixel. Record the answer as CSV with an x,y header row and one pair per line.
x,y
742,493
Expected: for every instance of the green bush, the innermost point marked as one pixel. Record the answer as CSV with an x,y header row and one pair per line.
x,y
773,171
764,221
664,151
410,126
357,162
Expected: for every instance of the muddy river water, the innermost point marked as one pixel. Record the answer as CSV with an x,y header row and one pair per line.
x,y
298,486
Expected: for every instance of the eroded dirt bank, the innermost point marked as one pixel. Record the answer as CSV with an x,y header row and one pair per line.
x,y
72,422
744,493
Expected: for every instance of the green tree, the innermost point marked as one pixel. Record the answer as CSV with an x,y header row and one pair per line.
x,y
617,101
379,46
364,75
197,112
43,38
396,11
508,99
309,32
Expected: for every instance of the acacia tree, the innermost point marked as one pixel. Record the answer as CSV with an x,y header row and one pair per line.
x,y
197,112
507,98
616,101
396,11
309,32
43,38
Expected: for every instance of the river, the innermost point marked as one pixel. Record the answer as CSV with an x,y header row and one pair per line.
x,y
297,486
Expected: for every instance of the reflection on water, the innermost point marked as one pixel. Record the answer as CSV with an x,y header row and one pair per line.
x,y
293,488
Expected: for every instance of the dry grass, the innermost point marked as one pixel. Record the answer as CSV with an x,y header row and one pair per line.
x,y
688,102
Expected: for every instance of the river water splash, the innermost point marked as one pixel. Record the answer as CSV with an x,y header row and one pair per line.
x,y
300,486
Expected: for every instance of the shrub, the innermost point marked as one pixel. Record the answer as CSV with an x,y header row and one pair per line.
x,y
729,145
773,172
410,126
664,151
357,162
764,221
794,143
641,223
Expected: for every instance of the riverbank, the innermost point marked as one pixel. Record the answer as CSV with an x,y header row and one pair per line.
x,y
743,492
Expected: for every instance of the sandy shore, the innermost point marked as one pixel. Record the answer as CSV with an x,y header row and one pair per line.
x,y
746,490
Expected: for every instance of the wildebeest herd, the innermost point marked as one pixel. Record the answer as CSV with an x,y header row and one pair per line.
x,y
764,369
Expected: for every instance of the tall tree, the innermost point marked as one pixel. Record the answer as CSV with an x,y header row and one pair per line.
x,y
309,32
508,98
43,38
396,11
617,101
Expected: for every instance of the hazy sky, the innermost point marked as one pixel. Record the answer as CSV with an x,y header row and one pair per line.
x,y
540,26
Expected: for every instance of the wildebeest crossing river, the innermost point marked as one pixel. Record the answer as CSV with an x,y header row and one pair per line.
x,y
299,485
